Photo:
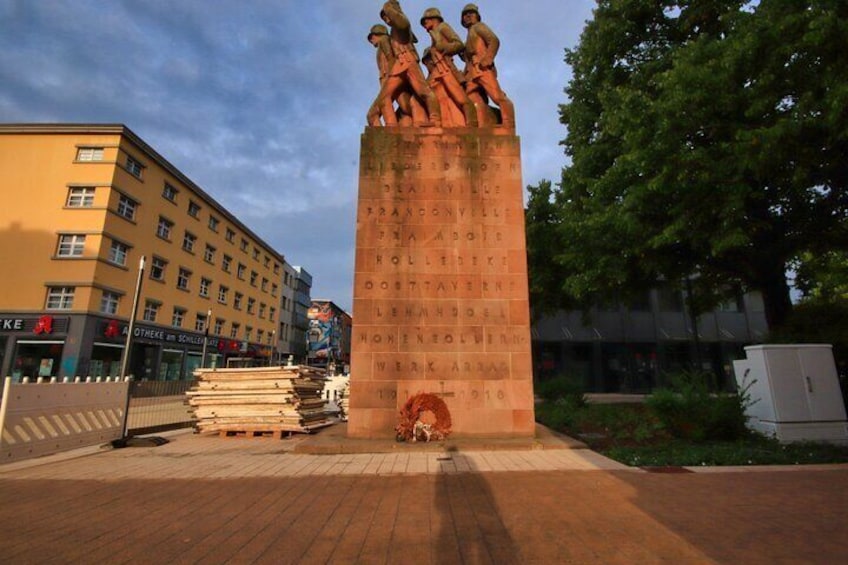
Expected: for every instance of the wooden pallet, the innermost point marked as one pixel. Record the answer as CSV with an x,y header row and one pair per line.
x,y
273,434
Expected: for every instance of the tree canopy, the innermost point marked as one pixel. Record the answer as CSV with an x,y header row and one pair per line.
x,y
708,141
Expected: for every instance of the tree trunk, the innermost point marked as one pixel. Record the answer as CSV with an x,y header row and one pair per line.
x,y
776,299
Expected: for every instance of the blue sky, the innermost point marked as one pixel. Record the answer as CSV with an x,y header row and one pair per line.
x,y
262,102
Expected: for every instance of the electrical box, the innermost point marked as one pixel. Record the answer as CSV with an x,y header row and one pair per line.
x,y
794,392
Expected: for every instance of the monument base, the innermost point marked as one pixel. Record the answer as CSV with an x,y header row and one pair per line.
x,y
440,288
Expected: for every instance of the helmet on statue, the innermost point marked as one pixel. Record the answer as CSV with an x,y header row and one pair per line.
x,y
432,13
378,29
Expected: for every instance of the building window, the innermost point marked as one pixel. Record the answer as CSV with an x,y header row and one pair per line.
x,y
151,309
255,254
90,154
237,300
272,313
213,223
189,240
248,332
225,263
126,207
183,279
71,245
274,289
223,294
204,287
276,269
60,297
200,323
178,317
219,326
251,305
209,254
230,236
259,335
264,285
164,228
235,330
134,167
118,253
262,308
244,245
267,262
169,192
109,302
240,271
157,269
285,303
80,197
253,276
193,209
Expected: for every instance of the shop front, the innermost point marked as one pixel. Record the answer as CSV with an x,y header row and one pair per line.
x,y
162,354
32,346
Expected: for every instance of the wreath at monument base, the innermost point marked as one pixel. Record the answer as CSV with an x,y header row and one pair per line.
x,y
412,428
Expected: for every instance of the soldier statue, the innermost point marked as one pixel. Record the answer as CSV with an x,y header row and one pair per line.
x,y
404,71
444,77
481,46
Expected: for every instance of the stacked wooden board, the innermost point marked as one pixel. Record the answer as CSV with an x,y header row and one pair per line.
x,y
259,400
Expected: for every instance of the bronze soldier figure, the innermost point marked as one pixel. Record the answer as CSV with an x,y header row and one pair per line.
x,y
481,46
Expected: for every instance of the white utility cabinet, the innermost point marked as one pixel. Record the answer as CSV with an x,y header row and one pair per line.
x,y
794,392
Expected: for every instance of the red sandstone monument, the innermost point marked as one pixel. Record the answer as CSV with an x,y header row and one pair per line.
x,y
440,289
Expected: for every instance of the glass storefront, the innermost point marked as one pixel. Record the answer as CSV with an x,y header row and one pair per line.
x,y
171,366
105,360
192,362
2,354
35,359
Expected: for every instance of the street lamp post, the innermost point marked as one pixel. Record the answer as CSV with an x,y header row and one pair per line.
x,y
131,328
205,339
125,361
273,347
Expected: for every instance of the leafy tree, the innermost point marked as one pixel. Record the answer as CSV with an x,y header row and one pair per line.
x,y
707,142
823,278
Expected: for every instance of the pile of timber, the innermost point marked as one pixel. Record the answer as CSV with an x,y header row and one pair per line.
x,y
259,400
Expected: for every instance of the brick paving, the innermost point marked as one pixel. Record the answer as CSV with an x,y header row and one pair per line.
x,y
212,500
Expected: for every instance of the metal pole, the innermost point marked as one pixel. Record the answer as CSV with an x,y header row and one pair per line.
x,y
128,343
4,406
131,328
205,339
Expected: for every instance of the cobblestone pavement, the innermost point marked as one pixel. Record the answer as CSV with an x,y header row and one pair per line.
x,y
218,500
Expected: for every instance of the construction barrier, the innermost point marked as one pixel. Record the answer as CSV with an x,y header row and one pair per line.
x,y
49,417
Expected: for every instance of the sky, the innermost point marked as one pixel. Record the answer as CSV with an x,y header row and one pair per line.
x,y
262,102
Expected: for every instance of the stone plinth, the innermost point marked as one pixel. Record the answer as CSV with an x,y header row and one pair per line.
x,y
440,299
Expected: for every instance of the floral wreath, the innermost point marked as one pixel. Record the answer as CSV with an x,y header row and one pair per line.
x,y
411,428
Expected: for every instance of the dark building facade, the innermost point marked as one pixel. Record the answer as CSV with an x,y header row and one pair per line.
x,y
632,349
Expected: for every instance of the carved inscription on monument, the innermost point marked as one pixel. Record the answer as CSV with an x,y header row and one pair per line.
x,y
440,288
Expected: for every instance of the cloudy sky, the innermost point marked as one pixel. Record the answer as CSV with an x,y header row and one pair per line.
x,y
262,102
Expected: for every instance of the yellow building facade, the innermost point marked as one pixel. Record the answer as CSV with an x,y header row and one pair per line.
x,y
82,205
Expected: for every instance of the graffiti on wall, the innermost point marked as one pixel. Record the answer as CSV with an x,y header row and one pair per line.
x,y
324,332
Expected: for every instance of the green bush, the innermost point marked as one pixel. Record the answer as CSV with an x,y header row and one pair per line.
x,y
557,415
689,410
563,387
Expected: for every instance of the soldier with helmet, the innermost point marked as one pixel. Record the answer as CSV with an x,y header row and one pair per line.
x,y
481,46
444,76
404,71
379,38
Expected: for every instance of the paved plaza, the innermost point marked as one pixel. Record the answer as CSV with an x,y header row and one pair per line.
x,y
206,499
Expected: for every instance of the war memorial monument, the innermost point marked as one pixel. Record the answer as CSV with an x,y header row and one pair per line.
x,y
441,333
